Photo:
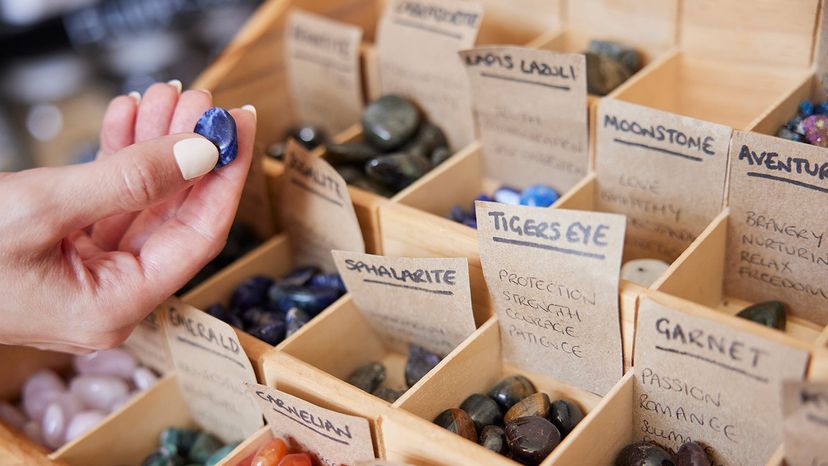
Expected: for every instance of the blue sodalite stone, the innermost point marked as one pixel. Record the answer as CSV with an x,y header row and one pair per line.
x,y
299,276
821,109
457,214
539,196
328,280
470,221
251,292
507,195
219,312
217,125
483,197
295,319
271,333
806,108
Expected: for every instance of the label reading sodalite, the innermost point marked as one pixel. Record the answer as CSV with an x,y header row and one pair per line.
x,y
553,275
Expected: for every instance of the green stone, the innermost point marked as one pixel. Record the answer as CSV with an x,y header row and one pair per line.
x,y
164,456
219,454
204,446
769,313
181,439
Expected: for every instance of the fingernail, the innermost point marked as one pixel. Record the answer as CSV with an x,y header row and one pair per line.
x,y
176,84
195,157
207,91
136,96
250,109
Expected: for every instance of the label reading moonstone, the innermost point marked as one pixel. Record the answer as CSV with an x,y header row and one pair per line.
x,y
411,300
647,161
553,275
698,377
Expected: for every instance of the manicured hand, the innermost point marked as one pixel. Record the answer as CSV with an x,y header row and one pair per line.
x,y
87,251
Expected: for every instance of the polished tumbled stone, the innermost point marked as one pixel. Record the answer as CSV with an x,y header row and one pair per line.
x,y
204,445
308,136
483,410
250,292
368,377
511,390
182,439
691,454
399,170
389,122
531,439
565,415
428,138
295,319
351,152
507,195
457,421
538,196
644,454
816,130
217,125
536,404
770,313
494,438
420,362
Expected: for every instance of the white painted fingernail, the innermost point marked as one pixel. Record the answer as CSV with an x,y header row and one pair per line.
x,y
176,84
136,96
250,109
195,157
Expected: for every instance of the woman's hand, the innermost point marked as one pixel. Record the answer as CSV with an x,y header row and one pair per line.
x,y
87,251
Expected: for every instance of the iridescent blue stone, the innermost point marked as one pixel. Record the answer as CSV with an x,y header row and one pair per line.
x,y
250,292
295,319
419,362
299,276
217,125
539,196
507,195
272,333
311,299
806,108
257,316
329,280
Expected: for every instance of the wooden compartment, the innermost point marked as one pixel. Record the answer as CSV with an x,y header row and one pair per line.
x,y
476,367
734,62
698,276
788,107
272,259
315,365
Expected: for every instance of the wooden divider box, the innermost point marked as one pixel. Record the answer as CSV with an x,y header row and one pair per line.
x,y
734,62
475,368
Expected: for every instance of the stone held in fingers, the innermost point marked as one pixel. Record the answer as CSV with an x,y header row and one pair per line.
x,y
389,122
457,421
217,125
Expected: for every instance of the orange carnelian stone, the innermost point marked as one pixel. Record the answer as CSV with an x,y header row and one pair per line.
x,y
296,459
246,461
270,453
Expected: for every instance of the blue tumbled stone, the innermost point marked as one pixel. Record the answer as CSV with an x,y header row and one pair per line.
x,y
313,299
328,280
785,133
539,196
217,125
806,108
507,195
457,214
272,333
797,125
299,276
295,319
219,312
484,198
821,109
470,222
251,292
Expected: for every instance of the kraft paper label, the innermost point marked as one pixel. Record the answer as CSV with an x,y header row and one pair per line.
x,y
211,369
417,45
553,275
699,379
149,344
777,236
531,108
317,212
422,301
334,438
821,55
324,74
805,405
664,171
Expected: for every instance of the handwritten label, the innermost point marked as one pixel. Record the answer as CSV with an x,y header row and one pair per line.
x,y
531,108
553,276
647,161
703,380
149,344
805,406
408,300
211,369
821,58
417,45
317,212
777,232
334,437
324,74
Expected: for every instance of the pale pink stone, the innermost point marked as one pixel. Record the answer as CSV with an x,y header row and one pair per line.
x,y
99,391
35,403
44,379
114,361
12,416
143,378
82,423
32,430
57,417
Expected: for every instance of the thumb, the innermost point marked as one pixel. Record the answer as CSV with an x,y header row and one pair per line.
x,y
136,177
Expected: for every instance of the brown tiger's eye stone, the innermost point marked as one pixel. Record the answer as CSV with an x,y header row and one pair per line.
x,y
531,439
494,438
483,410
512,389
457,421
536,404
